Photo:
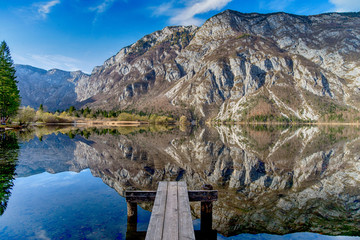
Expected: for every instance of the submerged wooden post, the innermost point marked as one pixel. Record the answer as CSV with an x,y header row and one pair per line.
x,y
131,217
206,212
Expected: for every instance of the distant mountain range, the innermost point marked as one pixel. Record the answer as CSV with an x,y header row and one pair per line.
x,y
55,89
235,66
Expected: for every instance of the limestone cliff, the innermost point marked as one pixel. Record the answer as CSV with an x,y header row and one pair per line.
x,y
237,66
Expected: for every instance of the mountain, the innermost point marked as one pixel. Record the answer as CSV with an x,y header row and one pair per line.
x,y
55,89
238,66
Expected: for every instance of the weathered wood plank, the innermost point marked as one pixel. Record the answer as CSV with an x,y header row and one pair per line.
x,y
186,229
155,229
171,221
171,216
203,195
140,196
194,196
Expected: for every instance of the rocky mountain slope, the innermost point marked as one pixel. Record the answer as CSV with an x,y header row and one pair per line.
x,y
237,66
55,89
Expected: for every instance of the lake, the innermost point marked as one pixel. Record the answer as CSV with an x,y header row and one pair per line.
x,y
274,182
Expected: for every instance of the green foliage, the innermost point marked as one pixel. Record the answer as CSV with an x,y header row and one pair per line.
x,y
9,97
71,110
47,117
25,116
333,117
9,151
183,120
41,107
245,35
181,38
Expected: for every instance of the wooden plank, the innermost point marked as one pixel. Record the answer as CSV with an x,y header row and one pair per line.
x,y
140,196
171,221
155,229
203,195
194,196
186,228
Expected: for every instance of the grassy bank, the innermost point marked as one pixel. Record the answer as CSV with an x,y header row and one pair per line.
x,y
28,115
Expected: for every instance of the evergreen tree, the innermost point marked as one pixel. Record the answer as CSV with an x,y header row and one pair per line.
x,y
71,110
9,93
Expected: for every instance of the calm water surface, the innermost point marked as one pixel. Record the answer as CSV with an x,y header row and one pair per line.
x,y
273,182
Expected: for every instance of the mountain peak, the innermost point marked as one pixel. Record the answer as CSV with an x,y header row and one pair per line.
x,y
236,66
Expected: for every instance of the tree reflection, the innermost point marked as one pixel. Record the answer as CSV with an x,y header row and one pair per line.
x,y
9,150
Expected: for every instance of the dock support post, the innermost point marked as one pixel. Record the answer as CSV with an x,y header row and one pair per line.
x,y
206,212
131,217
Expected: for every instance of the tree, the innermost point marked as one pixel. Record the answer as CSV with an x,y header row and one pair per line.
x,y
9,93
71,110
25,116
41,107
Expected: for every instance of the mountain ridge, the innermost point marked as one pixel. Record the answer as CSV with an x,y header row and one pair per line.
x,y
237,66
55,88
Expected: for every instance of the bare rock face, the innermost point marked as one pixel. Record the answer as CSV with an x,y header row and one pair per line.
x,y
279,64
55,89
235,66
146,68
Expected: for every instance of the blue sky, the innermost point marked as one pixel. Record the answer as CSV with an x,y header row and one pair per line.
x,y
81,34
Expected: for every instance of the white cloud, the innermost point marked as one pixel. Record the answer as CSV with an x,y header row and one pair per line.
x,y
48,61
346,5
163,9
45,8
186,16
102,7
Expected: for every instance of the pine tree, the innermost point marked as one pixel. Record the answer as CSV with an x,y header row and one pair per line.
x,y
9,93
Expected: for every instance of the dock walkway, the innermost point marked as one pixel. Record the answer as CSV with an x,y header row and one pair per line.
x,y
171,214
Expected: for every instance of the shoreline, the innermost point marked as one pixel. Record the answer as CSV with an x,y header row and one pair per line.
x,y
110,123
114,123
290,123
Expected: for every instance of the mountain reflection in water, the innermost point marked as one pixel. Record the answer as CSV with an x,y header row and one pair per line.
x,y
271,179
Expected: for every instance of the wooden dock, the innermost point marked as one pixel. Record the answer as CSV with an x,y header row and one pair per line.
x,y
171,215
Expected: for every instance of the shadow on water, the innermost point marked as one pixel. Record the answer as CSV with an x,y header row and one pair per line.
x,y
271,179
9,150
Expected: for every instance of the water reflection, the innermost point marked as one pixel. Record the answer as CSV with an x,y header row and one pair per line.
x,y
8,157
271,179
